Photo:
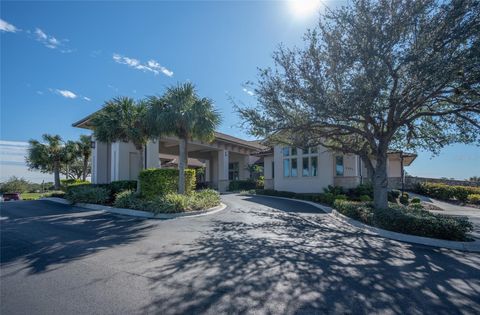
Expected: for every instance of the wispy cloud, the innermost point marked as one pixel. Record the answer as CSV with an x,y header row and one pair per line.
x,y
248,91
7,27
50,41
69,94
150,66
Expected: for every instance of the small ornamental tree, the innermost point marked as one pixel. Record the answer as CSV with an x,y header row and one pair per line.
x,y
122,119
374,76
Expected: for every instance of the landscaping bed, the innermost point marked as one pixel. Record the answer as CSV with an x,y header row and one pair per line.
x,y
462,195
158,193
412,219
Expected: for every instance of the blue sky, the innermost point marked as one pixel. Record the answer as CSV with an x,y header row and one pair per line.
x,y
61,60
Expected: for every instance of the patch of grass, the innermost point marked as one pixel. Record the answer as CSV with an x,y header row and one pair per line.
x,y
36,196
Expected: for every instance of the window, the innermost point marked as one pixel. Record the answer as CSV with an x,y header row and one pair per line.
x,y
233,171
339,169
294,151
313,166
305,167
286,151
310,162
286,167
273,169
294,168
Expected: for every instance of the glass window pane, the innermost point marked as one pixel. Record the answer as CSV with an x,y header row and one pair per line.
x,y
339,165
294,151
286,151
313,150
286,167
294,167
314,166
273,169
305,168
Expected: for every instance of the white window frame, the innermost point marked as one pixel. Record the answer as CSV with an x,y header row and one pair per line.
x,y
307,153
287,154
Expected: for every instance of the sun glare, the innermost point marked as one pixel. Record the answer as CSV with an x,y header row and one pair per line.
x,y
304,8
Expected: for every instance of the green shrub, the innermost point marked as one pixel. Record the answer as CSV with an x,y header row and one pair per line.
x,y
204,199
416,200
413,220
404,199
122,185
474,198
340,197
336,190
237,185
446,192
360,190
159,182
88,194
130,200
365,198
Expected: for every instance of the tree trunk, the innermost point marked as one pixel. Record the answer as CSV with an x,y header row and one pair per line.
x,y
380,182
181,165
56,174
140,167
85,167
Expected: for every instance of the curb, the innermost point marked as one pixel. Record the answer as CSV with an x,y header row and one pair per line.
x,y
463,246
433,242
139,213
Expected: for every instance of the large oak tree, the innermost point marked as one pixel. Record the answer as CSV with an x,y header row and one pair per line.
x,y
375,76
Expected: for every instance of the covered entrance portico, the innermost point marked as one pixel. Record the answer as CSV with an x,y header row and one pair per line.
x,y
224,159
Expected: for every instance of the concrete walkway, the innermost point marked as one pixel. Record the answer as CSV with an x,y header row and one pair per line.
x,y
472,213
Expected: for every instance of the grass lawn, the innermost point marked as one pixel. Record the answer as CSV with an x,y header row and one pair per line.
x,y
35,196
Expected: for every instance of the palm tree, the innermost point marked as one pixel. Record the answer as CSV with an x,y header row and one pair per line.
x,y
85,151
123,119
182,113
47,157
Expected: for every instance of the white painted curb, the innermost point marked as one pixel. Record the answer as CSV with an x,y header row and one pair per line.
x,y
139,213
463,246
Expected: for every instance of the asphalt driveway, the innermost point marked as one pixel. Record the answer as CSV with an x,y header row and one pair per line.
x,y
258,256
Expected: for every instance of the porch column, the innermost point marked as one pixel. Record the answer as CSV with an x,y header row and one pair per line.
x,y
222,170
152,154
207,171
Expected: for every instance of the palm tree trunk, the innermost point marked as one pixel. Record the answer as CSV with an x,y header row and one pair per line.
x,y
181,165
56,174
140,167
85,167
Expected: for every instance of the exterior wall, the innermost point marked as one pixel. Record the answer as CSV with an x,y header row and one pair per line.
x,y
101,163
267,172
394,167
243,161
300,184
123,156
151,155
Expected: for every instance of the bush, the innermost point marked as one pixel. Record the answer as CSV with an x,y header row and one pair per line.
x,y
237,185
157,182
72,182
365,198
415,200
14,185
340,197
412,220
360,190
336,190
88,194
474,198
204,199
404,199
130,200
446,192
122,185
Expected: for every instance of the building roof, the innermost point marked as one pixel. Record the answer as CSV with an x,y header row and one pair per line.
x,y
255,144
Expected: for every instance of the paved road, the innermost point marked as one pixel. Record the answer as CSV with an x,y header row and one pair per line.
x,y
259,256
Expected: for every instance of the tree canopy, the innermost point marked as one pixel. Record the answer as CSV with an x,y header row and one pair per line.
x,y
375,76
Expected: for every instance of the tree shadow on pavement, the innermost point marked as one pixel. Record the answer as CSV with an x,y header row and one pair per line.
x,y
280,263
44,235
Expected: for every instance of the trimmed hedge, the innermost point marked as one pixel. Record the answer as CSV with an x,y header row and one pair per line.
x,y
408,220
88,194
161,181
113,188
474,198
446,192
248,184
